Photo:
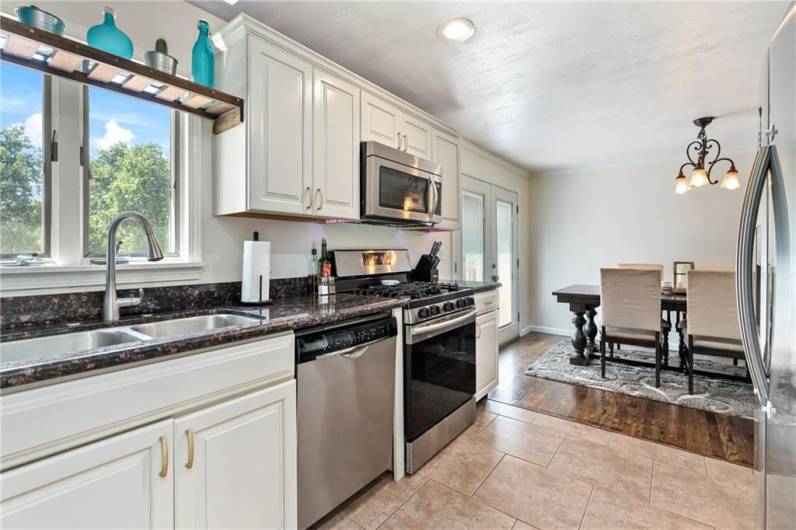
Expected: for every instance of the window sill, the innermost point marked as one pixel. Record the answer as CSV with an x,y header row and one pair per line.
x,y
50,278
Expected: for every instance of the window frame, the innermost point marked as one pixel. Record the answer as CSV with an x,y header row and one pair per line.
x,y
48,141
175,156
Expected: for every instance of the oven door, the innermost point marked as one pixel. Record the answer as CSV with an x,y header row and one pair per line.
x,y
394,191
439,370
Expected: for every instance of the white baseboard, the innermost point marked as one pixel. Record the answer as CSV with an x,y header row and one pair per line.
x,y
545,329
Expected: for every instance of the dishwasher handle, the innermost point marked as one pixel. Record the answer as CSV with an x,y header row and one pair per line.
x,y
354,352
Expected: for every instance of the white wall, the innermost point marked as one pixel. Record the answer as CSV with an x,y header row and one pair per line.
x,y
583,220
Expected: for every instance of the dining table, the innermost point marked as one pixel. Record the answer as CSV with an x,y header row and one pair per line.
x,y
584,299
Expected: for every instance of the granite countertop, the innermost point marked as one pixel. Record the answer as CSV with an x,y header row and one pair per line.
x,y
479,286
283,315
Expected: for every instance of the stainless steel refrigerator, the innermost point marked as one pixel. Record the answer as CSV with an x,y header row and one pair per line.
x,y
766,283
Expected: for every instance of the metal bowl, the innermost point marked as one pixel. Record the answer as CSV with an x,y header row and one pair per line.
x,y
33,16
161,61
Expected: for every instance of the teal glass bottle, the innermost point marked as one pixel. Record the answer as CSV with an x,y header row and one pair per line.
x,y
109,38
202,59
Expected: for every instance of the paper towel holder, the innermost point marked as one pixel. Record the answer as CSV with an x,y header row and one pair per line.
x,y
260,280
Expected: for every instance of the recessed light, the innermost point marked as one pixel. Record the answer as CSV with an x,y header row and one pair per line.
x,y
459,29
231,2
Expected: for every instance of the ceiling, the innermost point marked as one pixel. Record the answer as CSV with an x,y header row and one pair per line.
x,y
553,86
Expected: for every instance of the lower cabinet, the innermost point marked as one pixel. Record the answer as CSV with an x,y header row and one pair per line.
x,y
126,481
231,465
235,463
486,353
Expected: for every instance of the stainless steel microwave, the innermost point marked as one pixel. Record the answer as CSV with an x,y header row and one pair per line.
x,y
398,188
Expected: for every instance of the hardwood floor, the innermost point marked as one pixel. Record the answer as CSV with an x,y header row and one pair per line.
x,y
716,435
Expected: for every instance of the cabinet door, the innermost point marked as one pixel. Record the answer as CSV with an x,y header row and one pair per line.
x,y
113,483
336,147
417,136
445,150
381,121
243,471
486,354
280,140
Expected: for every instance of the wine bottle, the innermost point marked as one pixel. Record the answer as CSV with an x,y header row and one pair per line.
x,y
325,263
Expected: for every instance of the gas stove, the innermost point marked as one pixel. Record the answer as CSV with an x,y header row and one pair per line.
x,y
428,300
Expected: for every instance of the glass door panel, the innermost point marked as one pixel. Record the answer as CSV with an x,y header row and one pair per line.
x,y
505,259
473,244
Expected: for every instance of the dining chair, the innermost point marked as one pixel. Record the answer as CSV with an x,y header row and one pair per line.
x,y
712,323
667,328
631,311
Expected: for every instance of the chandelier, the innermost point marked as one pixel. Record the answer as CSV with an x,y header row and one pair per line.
x,y
700,174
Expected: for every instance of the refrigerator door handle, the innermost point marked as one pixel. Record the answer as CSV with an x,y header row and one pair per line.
x,y
743,272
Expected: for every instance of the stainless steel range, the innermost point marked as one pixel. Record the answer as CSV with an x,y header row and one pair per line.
x,y
439,346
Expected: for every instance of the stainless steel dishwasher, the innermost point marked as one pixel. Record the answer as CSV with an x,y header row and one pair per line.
x,y
346,393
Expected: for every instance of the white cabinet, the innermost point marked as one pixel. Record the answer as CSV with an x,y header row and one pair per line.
x,y
445,150
486,354
417,136
385,123
381,121
280,116
336,147
126,481
235,463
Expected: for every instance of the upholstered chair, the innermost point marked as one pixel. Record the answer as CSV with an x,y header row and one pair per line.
x,y
712,324
631,311
667,325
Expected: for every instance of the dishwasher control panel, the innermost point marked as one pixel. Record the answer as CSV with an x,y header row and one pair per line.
x,y
323,341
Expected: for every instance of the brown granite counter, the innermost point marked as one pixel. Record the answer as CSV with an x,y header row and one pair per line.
x,y
283,315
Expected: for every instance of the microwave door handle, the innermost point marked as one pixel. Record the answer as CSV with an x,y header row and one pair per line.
x,y
432,204
743,275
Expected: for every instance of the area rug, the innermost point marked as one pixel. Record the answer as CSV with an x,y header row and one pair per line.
x,y
712,394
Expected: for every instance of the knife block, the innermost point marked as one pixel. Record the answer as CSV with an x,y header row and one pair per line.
x,y
425,271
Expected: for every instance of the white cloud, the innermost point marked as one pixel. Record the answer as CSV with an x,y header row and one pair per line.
x,y
114,134
32,127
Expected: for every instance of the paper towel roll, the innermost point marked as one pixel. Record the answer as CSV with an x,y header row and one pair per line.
x,y
256,272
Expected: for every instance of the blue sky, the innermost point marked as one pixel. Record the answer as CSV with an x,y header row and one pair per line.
x,y
113,117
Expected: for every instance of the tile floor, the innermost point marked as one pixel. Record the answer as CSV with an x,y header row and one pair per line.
x,y
523,470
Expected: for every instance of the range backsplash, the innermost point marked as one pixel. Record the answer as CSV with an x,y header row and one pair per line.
x,y
24,311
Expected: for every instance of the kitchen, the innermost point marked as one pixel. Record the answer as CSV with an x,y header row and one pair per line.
x,y
418,287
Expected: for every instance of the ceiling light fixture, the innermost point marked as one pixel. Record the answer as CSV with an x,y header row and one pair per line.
x,y
459,29
700,175
231,2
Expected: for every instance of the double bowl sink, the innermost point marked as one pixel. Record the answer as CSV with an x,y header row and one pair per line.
x,y
65,343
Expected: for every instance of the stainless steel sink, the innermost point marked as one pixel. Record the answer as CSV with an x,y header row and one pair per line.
x,y
53,345
190,325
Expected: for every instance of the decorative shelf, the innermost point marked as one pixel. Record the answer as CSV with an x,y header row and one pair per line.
x,y
63,57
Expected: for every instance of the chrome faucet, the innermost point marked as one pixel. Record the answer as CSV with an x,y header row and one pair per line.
x,y
112,303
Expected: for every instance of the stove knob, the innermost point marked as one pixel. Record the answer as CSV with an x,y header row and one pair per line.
x,y
447,306
470,300
435,310
423,312
461,302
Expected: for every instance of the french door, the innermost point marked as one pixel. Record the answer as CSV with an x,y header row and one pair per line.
x,y
489,243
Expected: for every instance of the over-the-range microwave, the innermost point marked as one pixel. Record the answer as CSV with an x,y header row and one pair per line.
x,y
398,188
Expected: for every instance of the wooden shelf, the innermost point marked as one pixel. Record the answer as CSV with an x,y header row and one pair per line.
x,y
59,56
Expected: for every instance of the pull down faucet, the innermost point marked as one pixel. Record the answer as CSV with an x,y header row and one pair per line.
x,y
111,303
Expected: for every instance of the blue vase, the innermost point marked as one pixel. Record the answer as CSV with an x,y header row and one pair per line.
x,y
202,59
109,38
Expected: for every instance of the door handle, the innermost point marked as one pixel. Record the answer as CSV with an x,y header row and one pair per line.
x,y
164,457
743,274
406,142
191,449
308,195
400,142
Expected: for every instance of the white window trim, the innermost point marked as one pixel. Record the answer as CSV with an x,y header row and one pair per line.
x,y
68,269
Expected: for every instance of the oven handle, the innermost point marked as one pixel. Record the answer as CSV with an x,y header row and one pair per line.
x,y
418,332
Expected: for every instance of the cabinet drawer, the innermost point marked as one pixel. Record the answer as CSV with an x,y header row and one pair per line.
x,y
42,421
487,301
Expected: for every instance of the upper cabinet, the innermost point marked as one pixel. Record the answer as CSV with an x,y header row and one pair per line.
x,y
385,123
298,153
445,150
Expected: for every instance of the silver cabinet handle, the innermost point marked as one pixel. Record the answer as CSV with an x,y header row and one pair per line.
x,y
308,195
743,275
319,194
406,143
400,142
